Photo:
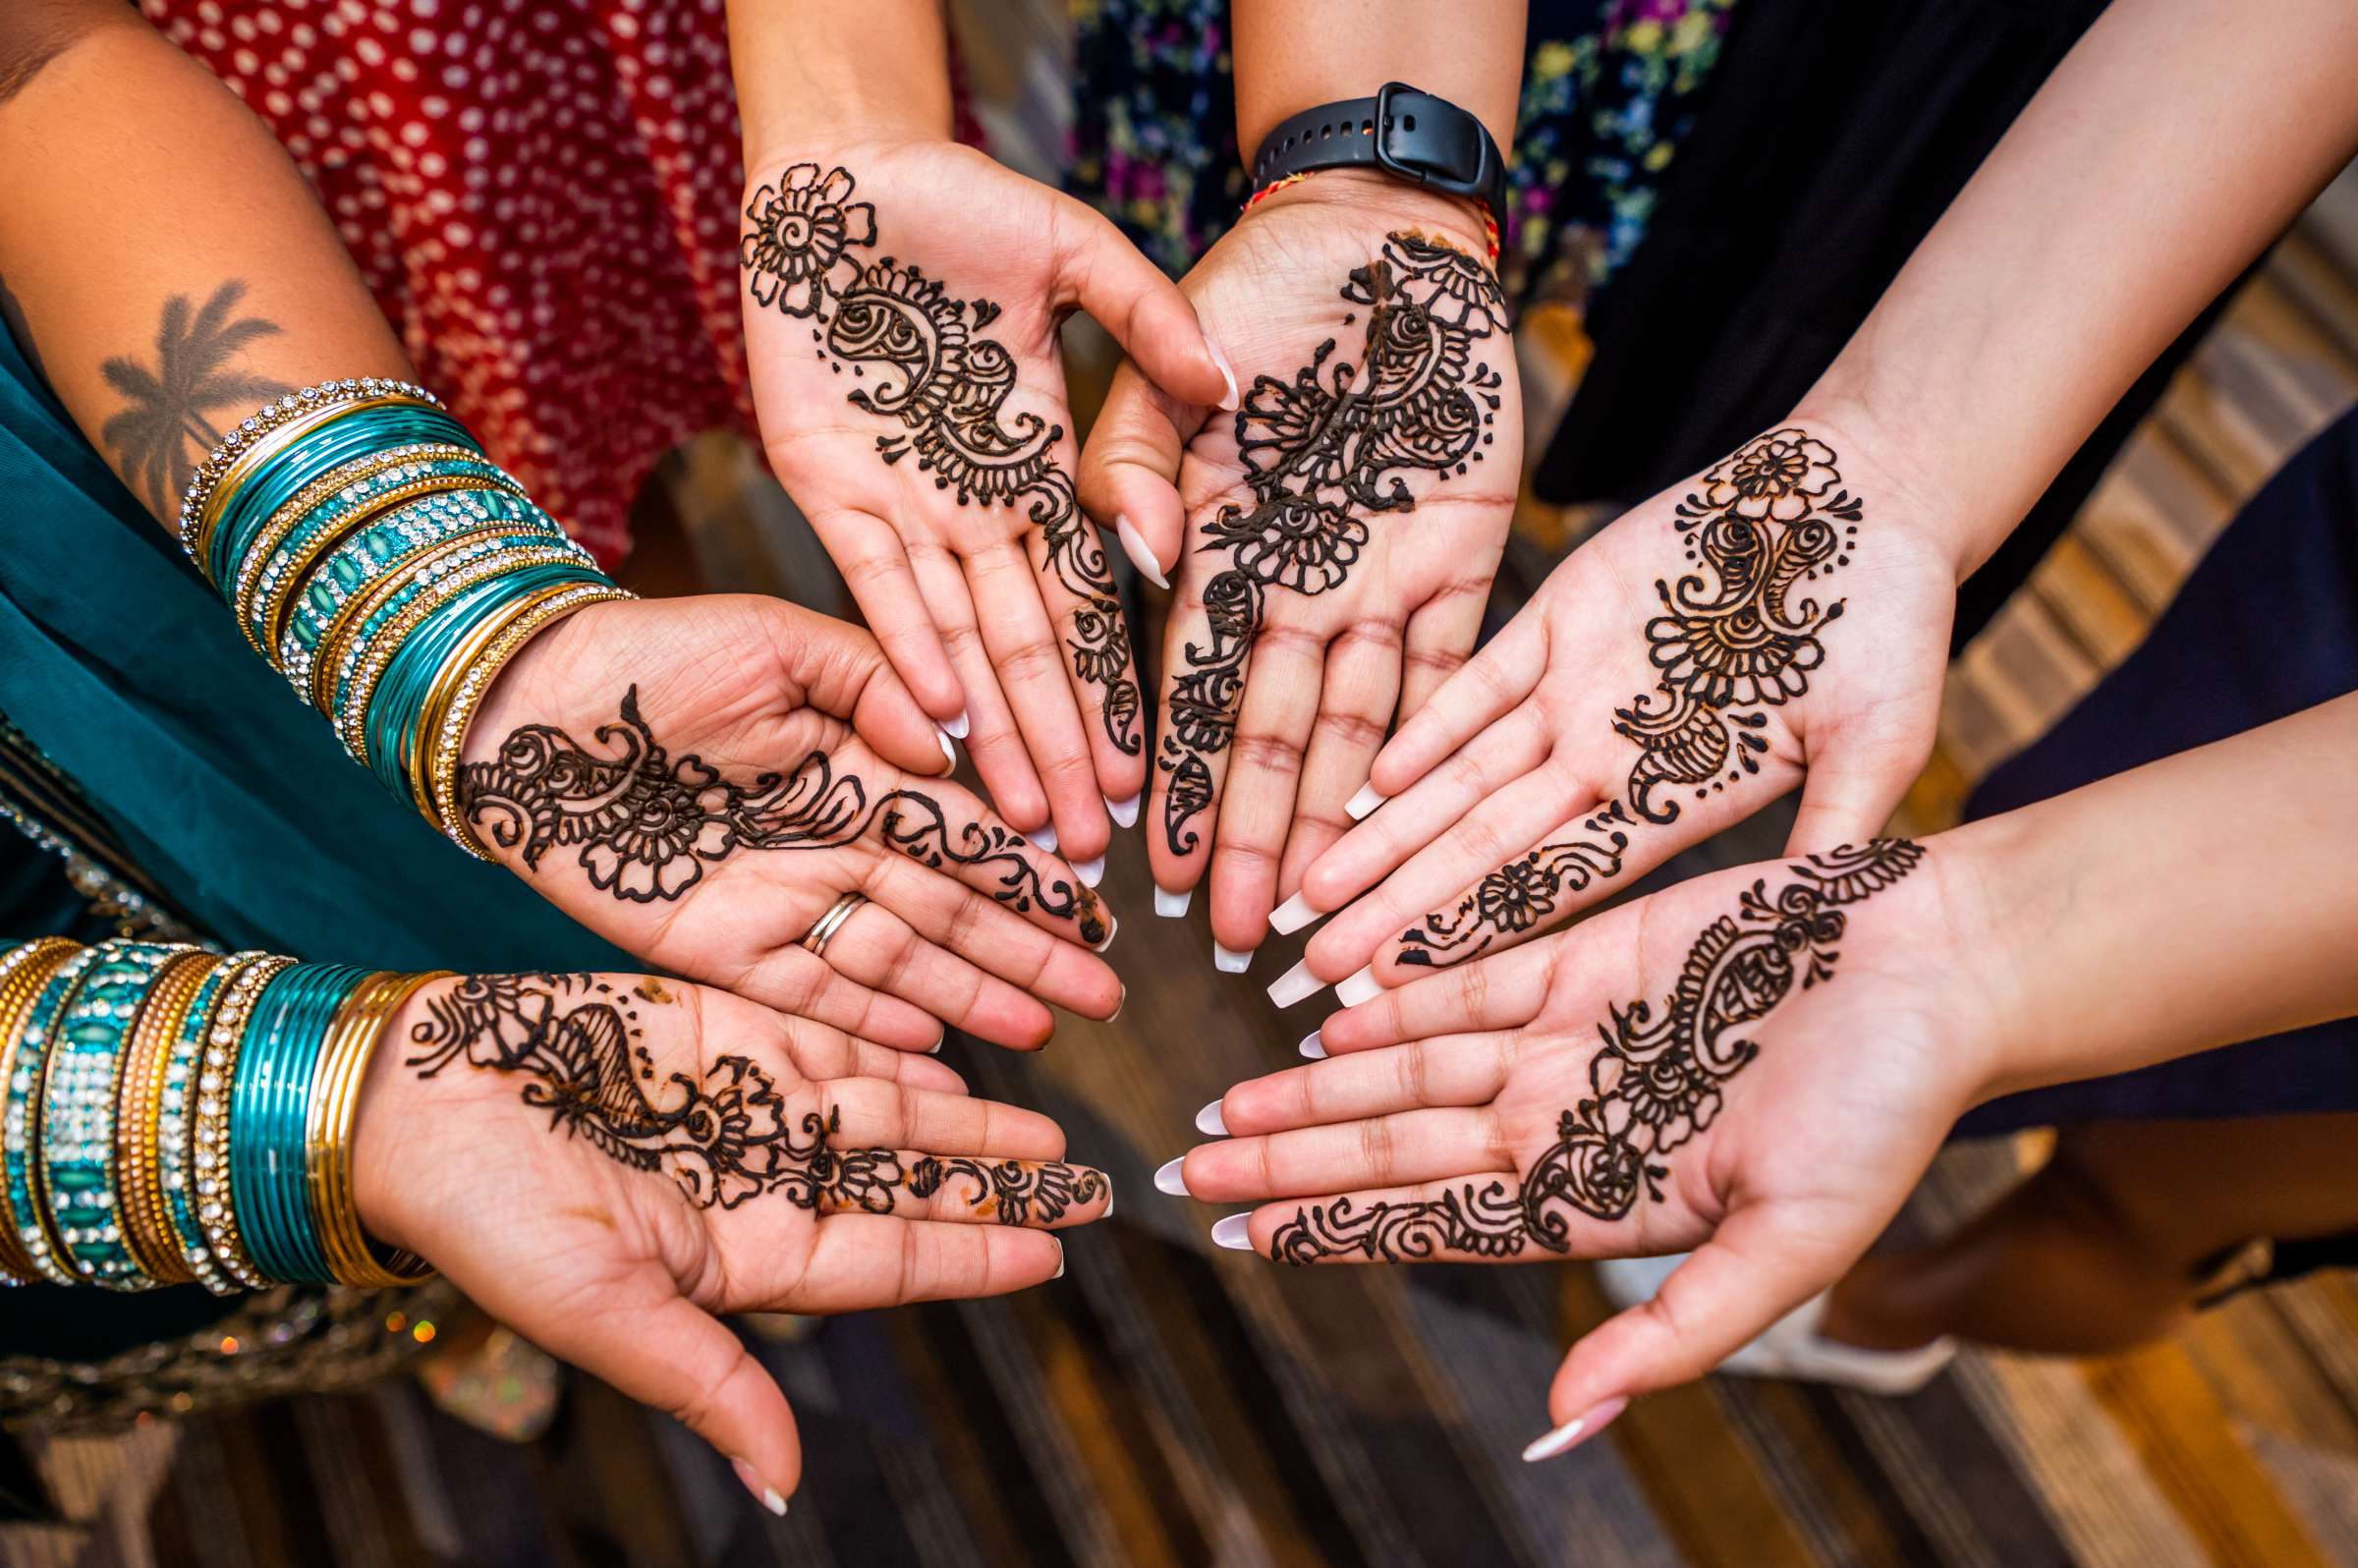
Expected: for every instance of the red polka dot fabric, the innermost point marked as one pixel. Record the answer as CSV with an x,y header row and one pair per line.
x,y
543,194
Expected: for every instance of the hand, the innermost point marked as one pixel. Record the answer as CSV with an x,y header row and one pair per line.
x,y
605,1161
1781,616
701,780
902,305
1344,526
1757,1065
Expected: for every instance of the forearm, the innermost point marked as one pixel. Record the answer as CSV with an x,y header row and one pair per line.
x,y
2176,140
1293,55
2206,899
145,203
839,68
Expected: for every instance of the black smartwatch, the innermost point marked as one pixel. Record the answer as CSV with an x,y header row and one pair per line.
x,y
1410,135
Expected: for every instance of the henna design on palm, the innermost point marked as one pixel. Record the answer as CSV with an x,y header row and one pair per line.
x,y
1335,438
725,1140
649,824
947,386
1658,1080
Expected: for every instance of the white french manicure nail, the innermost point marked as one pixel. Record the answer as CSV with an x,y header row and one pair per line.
x,y
1172,906
1044,837
1209,1121
949,753
1134,546
1123,812
1292,915
1583,1426
1234,1233
1366,800
1295,985
956,726
1170,1179
1107,1211
1229,963
754,1484
1112,925
1059,1274
1312,1047
1220,360
1360,987
934,1049
1092,872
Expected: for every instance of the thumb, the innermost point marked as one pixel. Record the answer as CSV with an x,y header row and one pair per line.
x,y
1129,471
1851,790
842,672
1737,1284
1097,268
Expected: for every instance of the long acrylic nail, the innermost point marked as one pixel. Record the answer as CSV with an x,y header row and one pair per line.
x,y
1291,916
1360,806
1219,359
949,753
1173,905
1044,837
1312,1047
1112,925
1295,985
1361,986
1059,1274
1170,1178
1209,1120
1235,1232
754,1484
956,726
1123,812
1230,963
1572,1434
1134,546
1092,872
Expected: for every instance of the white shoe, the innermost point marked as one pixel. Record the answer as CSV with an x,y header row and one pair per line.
x,y
1792,1347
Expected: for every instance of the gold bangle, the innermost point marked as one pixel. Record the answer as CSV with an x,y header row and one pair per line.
x,y
446,740
228,468
334,1114
208,1125
354,613
139,1118
24,971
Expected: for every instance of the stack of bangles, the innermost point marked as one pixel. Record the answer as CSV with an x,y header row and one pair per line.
x,y
173,1115
386,567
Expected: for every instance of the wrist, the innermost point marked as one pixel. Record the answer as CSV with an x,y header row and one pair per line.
x,y
1885,448
1998,879
385,1148
1384,203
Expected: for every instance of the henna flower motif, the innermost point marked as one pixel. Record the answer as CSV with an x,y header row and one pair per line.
x,y
1776,475
1516,896
737,1112
1669,1095
664,835
1292,542
800,227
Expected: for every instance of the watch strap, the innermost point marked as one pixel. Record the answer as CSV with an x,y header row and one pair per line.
x,y
1407,133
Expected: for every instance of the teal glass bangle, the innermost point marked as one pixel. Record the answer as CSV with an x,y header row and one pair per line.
x,y
270,1119
20,1123
283,477
175,1139
78,1112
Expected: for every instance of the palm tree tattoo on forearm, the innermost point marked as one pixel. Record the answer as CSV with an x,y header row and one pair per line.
x,y
725,1138
946,385
1658,1080
1737,635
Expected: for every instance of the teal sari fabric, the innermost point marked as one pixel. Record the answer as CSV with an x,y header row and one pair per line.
x,y
128,673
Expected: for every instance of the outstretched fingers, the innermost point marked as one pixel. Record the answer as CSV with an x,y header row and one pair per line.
x,y
860,1261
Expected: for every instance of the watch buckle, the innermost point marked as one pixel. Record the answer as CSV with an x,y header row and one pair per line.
x,y
1443,177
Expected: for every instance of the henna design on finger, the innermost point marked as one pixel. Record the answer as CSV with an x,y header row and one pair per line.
x,y
647,824
725,1138
1335,438
1658,1080
1519,895
947,386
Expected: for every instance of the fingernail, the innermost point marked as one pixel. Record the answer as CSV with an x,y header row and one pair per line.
x,y
753,1484
1312,1047
1220,360
1228,963
1124,812
1173,905
1170,1179
1291,916
1366,800
934,1049
1134,546
1360,987
956,726
1107,1211
1112,924
1208,1120
1044,837
1572,1434
1235,1232
949,753
1295,985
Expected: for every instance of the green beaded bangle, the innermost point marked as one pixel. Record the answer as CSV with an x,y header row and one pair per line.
x,y
76,1168
21,1122
270,1119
